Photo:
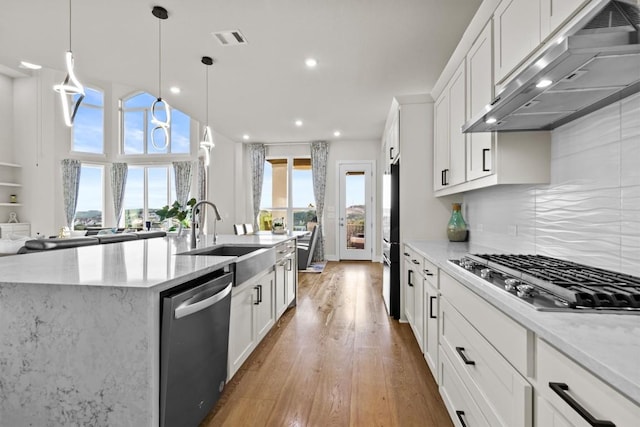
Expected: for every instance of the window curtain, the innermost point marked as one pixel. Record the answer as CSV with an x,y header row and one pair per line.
x,y
182,172
119,173
202,179
258,153
319,154
70,184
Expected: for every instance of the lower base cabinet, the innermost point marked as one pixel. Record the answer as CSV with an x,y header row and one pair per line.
x,y
252,316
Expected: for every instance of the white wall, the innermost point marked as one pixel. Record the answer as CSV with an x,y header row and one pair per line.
x,y
590,212
6,119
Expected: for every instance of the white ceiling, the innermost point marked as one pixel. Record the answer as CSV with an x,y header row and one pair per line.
x,y
368,51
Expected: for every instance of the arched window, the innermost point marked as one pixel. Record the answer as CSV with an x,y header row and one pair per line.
x,y
87,134
137,127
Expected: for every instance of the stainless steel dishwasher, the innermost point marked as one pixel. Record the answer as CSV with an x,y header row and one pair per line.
x,y
194,338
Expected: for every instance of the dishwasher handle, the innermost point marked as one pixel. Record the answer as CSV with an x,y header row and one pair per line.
x,y
185,310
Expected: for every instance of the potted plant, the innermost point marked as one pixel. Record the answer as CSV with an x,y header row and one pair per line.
x,y
177,213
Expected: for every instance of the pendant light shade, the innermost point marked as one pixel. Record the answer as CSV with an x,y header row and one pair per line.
x,y
160,106
207,135
71,90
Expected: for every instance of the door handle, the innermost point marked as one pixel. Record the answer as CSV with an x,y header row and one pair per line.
x,y
257,302
561,390
484,159
460,415
186,309
431,316
463,356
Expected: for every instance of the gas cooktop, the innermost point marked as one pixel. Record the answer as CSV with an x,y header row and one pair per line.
x,y
551,284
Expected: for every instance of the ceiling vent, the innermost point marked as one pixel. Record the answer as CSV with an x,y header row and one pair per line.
x,y
230,38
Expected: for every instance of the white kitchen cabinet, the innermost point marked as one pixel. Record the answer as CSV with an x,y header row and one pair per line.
x,y
418,305
565,388
554,13
431,304
252,316
408,286
285,276
15,229
517,34
479,95
502,394
449,141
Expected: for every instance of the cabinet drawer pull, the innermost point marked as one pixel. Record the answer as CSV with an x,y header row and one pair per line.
x,y
427,272
431,316
560,389
407,254
460,415
463,356
415,261
409,275
484,160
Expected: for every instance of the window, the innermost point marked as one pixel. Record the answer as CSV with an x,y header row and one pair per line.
x,y
287,191
137,128
88,126
148,189
90,197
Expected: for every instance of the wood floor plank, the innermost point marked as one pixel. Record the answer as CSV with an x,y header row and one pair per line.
x,y
336,359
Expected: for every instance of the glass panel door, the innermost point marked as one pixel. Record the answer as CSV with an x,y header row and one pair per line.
x,y
355,216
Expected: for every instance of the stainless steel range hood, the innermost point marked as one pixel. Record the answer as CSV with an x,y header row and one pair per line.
x,y
597,63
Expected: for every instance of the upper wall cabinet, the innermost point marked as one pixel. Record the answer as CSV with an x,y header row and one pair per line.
x,y
449,141
517,24
522,25
479,94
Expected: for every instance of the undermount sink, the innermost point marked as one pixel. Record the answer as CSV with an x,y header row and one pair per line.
x,y
251,259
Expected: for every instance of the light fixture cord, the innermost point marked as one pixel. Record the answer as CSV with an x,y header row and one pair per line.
x,y
159,59
69,25
206,70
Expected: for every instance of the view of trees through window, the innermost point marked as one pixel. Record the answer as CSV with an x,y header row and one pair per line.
x,y
90,197
148,189
287,192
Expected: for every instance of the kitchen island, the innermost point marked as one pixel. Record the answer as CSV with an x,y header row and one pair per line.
x,y
79,343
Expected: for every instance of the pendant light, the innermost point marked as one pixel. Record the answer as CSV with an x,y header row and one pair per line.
x,y
70,87
161,125
207,135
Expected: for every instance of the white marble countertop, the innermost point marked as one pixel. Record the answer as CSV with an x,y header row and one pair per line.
x,y
607,345
142,264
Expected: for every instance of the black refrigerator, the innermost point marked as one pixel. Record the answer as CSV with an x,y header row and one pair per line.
x,y
391,240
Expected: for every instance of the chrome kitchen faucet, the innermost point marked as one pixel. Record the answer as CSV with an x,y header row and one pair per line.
x,y
194,237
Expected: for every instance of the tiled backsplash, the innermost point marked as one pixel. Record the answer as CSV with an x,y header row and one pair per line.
x,y
590,212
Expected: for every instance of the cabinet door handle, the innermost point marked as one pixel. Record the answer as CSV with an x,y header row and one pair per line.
x,y
463,356
460,415
427,272
445,181
561,388
257,301
390,153
484,159
409,275
442,177
407,254
260,294
431,316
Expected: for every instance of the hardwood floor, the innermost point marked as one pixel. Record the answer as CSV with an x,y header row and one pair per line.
x,y
336,359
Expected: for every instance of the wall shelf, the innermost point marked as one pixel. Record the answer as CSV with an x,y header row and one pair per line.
x,y
9,184
10,204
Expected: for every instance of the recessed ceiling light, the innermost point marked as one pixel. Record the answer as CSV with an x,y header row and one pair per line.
x,y
311,62
245,137
174,89
298,123
336,133
29,65
544,83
